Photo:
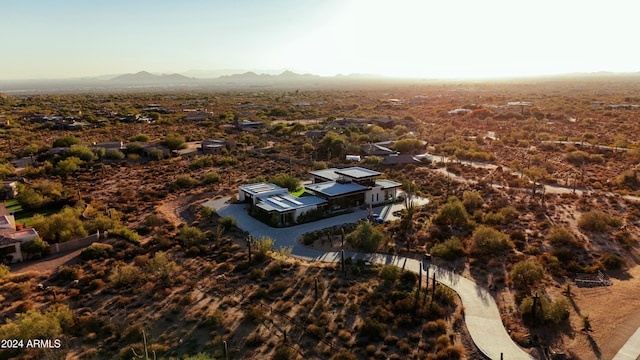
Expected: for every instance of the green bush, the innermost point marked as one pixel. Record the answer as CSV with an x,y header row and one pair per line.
x,y
453,213
125,275
96,251
526,274
191,236
372,329
211,178
489,241
450,249
228,222
612,261
365,237
390,273
35,247
4,271
114,154
185,181
201,162
598,221
560,236
127,234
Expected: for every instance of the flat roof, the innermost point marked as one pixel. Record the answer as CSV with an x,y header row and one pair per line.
x,y
284,203
329,174
388,184
357,172
332,188
262,189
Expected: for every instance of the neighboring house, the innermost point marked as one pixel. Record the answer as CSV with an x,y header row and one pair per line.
x,y
109,145
216,146
331,190
11,239
316,134
376,150
396,159
250,125
197,115
8,190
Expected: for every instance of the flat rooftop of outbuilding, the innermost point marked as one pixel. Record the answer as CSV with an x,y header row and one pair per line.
x,y
332,188
357,172
262,188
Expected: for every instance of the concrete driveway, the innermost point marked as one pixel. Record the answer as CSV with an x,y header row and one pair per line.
x,y
481,311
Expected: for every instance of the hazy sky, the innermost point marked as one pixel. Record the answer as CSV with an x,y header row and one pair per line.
x,y
414,38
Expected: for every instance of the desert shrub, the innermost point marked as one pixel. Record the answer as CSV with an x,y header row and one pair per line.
x,y
96,251
162,267
365,237
4,271
185,181
96,284
408,278
577,158
510,213
283,352
489,241
114,154
628,179
256,274
155,154
211,178
612,261
472,200
33,324
126,233
372,329
560,236
554,312
262,247
598,221
450,353
389,273
445,295
201,162
173,142
66,141
191,236
286,181
35,247
494,218
450,249
228,222
435,327
68,273
453,213
125,275
526,274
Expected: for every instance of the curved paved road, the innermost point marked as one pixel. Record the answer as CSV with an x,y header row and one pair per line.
x,y
481,311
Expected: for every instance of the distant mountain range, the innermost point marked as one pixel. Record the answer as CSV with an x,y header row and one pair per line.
x,y
145,80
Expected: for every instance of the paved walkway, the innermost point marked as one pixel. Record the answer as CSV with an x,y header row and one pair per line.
x,y
481,311
631,349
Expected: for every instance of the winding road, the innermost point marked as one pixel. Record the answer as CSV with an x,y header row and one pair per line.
x,y
481,311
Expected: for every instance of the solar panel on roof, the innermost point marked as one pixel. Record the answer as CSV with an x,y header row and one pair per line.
x,y
279,203
294,201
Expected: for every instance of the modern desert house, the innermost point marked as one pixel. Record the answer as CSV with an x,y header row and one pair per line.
x,y
332,190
